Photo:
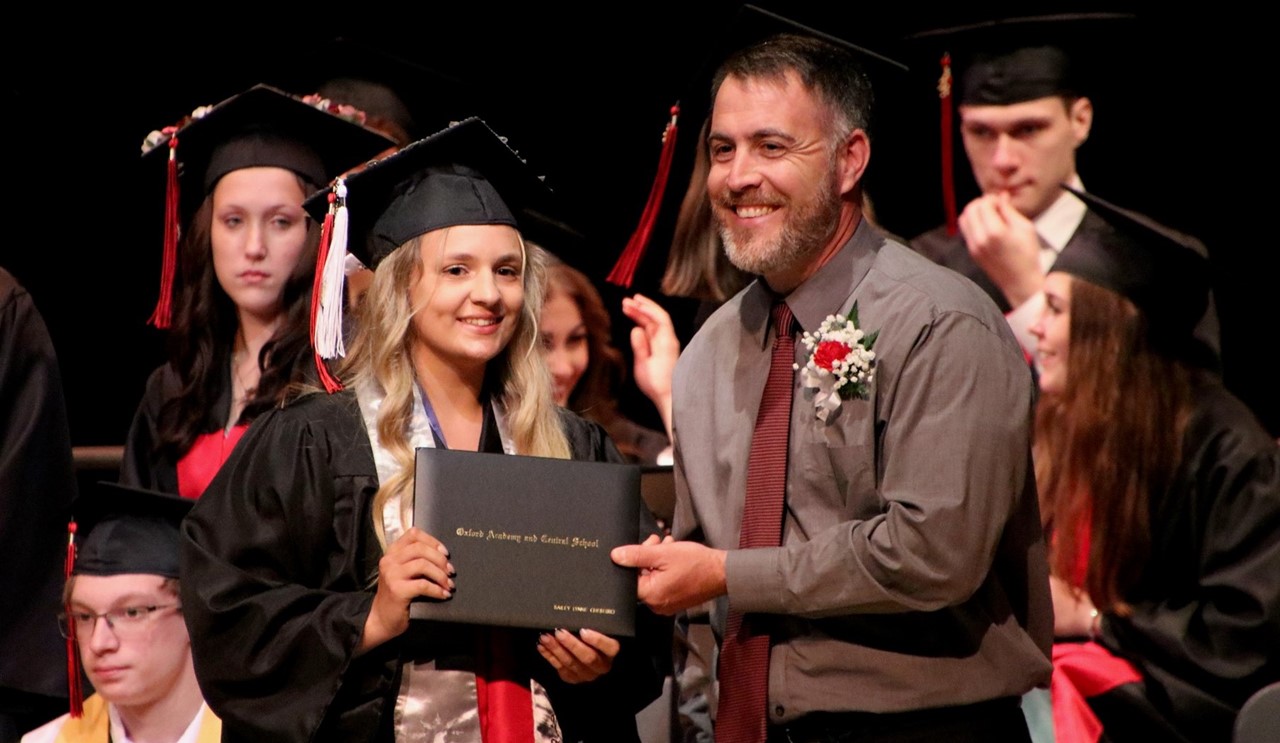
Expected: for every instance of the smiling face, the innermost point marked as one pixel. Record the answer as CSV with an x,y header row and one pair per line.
x,y
148,661
1053,333
565,342
775,187
1026,149
467,298
258,234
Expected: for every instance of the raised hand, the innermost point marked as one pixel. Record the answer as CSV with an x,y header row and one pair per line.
x,y
1004,244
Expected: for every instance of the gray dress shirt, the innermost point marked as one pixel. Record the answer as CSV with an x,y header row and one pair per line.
x,y
912,571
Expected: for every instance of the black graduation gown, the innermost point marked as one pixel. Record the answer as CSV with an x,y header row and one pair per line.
x,y
145,464
278,562
1205,628
37,485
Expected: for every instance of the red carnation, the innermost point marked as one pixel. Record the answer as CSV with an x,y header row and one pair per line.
x,y
829,353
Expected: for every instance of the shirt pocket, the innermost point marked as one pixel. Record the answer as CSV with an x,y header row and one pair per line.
x,y
841,479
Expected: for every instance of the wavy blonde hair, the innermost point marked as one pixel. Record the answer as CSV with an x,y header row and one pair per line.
x,y
380,355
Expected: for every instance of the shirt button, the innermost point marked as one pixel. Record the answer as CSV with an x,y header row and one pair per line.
x,y
779,710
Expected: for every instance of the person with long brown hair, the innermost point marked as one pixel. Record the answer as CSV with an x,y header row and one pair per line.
x,y
1159,490
586,370
302,559
241,289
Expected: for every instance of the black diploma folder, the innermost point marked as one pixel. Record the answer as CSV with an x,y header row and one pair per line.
x,y
530,538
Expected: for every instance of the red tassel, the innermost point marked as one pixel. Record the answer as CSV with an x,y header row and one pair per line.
x,y
948,164
330,382
74,689
624,270
163,312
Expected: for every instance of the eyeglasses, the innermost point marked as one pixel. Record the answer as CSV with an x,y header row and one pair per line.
x,y
127,621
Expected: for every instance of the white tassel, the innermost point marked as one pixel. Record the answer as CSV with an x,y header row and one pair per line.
x,y
329,342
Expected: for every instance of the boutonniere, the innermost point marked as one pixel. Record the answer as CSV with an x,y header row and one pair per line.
x,y
841,363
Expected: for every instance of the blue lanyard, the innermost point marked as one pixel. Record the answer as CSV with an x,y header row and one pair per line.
x,y
431,418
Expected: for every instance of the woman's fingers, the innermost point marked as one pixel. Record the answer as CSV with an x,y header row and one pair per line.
x,y
578,659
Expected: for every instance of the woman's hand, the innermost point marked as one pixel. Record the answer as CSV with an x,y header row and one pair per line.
x,y
414,565
579,658
656,348
1074,614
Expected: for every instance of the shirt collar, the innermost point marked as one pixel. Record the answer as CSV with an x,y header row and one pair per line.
x,y
811,302
1058,223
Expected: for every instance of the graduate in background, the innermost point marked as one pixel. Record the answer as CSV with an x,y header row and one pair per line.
x,y
1160,491
37,485
124,619
242,286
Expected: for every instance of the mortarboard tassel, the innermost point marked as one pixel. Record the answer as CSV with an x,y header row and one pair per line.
x,y
326,292
74,689
329,322
624,270
948,163
163,312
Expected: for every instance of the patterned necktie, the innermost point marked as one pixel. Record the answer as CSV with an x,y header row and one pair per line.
x,y
744,657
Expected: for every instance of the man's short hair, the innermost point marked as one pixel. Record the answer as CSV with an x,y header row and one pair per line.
x,y
831,72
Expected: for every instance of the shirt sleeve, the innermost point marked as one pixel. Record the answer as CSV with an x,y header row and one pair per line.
x,y
1022,317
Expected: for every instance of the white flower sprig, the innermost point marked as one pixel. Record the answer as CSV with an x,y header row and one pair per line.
x,y
158,137
841,363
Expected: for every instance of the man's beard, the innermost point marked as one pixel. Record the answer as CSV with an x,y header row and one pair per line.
x,y
805,233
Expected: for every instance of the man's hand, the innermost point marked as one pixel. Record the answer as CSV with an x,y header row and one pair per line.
x,y
1005,246
674,575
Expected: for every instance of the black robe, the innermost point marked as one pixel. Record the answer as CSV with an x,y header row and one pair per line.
x,y
278,562
37,485
1205,628
145,463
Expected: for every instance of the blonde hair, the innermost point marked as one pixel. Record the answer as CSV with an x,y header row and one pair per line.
x,y
380,356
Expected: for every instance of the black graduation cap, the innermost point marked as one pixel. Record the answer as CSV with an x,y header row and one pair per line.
x,y
264,126
1002,61
1162,271
261,127
389,88
753,24
463,175
125,530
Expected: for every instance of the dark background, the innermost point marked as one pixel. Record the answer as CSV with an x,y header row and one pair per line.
x,y
1182,131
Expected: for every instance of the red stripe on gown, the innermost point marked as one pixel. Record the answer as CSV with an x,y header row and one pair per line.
x,y
1082,670
502,689
203,460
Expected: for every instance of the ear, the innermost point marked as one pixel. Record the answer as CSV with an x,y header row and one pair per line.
x,y
852,159
1081,117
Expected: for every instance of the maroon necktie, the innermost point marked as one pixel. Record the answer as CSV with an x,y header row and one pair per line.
x,y
744,657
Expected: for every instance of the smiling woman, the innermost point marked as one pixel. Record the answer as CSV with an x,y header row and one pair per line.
x,y
241,286
1161,493
302,559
